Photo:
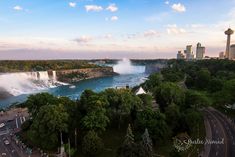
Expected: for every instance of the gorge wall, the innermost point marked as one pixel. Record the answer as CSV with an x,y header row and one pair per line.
x,y
75,75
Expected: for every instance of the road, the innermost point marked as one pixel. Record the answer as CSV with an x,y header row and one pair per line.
x,y
219,128
11,125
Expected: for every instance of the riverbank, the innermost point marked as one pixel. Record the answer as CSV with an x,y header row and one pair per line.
x,y
76,75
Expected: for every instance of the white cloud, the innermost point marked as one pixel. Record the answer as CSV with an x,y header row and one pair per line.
x,y
151,33
178,7
114,18
83,39
174,29
18,8
167,2
112,8
93,8
72,4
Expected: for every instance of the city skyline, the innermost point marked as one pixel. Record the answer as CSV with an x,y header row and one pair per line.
x,y
84,29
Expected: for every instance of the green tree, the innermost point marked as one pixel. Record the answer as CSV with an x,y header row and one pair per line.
x,y
146,99
215,85
96,120
173,116
129,148
155,122
203,77
169,93
92,144
153,81
147,144
196,99
35,102
50,121
193,119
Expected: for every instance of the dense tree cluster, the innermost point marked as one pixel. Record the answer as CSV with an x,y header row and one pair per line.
x,y
16,66
180,91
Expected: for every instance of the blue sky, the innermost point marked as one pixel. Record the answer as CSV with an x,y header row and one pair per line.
x,y
48,29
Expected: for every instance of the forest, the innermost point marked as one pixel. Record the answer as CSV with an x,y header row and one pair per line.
x,y
43,65
118,123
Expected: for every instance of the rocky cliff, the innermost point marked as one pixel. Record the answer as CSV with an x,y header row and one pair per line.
x,y
75,75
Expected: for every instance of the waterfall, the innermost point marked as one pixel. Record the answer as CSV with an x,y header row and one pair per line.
x,y
27,82
125,67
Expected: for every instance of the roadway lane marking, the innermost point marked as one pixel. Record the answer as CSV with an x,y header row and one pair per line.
x,y
17,125
20,120
24,119
216,154
222,129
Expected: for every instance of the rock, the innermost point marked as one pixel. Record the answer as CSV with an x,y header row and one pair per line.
x,y
75,75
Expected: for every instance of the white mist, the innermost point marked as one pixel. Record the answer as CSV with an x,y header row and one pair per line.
x,y
125,67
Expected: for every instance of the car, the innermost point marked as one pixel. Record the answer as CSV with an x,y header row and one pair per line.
x,y
6,142
2,125
4,154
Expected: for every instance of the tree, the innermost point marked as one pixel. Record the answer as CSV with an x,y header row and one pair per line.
x,y
193,119
129,139
153,81
146,99
50,121
215,85
92,144
169,93
122,102
147,144
129,148
196,99
35,102
96,120
155,122
202,78
229,89
173,116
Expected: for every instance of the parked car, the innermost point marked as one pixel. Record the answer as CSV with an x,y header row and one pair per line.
x,y
4,154
6,142
2,125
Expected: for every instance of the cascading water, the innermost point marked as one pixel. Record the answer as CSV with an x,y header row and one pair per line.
x,y
125,67
27,82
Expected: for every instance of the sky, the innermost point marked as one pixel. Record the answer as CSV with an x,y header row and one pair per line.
x,y
88,29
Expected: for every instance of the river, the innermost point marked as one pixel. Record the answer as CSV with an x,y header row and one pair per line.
x,y
128,75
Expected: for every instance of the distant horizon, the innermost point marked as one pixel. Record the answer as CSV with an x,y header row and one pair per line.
x,y
88,29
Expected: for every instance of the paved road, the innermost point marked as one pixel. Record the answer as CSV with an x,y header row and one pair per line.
x,y
219,128
11,150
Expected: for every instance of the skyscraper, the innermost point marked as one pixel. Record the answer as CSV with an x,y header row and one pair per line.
x,y
228,32
189,52
232,52
200,51
180,55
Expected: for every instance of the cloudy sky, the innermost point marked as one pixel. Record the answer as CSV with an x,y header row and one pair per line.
x,y
51,29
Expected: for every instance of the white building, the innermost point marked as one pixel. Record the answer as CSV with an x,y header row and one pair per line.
x,y
180,55
200,51
189,52
232,52
221,55
140,91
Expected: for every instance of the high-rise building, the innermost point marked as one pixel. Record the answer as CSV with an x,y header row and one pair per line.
x,y
228,32
189,52
180,55
221,55
232,52
200,51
